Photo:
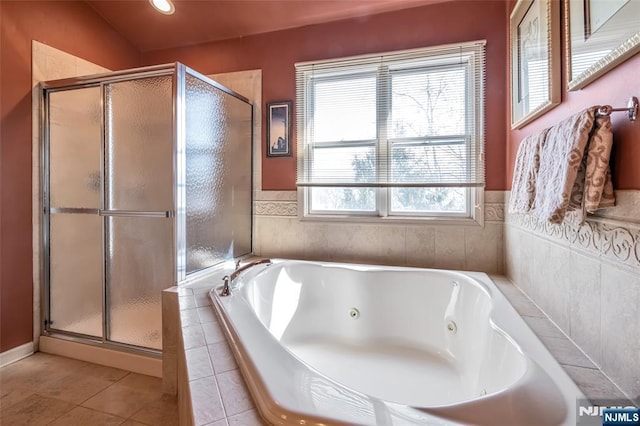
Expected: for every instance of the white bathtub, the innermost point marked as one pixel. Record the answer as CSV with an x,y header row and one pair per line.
x,y
327,343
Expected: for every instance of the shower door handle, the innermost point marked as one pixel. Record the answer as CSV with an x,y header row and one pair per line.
x,y
137,213
75,210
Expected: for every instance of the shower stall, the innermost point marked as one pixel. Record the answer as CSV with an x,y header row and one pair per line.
x,y
146,182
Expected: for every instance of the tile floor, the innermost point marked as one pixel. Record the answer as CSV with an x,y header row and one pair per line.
x,y
46,389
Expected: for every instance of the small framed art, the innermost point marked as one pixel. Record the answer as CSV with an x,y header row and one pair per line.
x,y
279,129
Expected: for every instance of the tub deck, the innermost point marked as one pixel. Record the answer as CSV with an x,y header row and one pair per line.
x,y
211,389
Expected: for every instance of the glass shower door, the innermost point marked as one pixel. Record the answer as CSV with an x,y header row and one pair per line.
x,y
139,206
218,175
75,198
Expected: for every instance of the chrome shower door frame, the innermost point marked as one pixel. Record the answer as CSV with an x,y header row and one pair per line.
x,y
177,214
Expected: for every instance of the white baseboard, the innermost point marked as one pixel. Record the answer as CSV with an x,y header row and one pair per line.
x,y
103,356
16,354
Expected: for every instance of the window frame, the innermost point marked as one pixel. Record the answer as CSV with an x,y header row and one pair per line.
x,y
383,144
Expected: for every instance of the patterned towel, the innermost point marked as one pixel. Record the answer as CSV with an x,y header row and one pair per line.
x,y
523,189
563,172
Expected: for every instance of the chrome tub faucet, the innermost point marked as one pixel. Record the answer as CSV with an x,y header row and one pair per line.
x,y
228,280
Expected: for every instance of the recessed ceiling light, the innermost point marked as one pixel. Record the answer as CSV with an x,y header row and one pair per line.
x,y
163,6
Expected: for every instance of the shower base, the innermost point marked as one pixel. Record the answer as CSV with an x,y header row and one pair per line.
x,y
148,323
143,364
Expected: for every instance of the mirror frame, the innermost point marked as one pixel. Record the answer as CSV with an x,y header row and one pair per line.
x,y
622,48
549,40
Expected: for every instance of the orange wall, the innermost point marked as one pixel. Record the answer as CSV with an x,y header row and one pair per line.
x,y
275,53
69,26
614,88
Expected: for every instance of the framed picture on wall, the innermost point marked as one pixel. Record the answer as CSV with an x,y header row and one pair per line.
x,y
600,34
279,129
535,59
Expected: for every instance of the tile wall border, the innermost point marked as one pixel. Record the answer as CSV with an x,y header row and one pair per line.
x,y
284,203
276,208
494,212
602,237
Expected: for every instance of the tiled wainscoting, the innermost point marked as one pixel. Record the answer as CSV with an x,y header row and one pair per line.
x,y
280,233
587,280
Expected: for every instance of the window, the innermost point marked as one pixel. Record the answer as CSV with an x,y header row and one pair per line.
x,y
396,135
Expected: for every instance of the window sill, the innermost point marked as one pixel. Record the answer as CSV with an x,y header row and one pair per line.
x,y
394,220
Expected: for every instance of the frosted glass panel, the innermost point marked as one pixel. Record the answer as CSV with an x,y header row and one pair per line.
x,y
218,179
74,148
237,202
76,273
139,149
140,265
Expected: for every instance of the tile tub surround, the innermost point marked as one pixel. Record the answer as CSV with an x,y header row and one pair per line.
x,y
210,386
279,232
588,281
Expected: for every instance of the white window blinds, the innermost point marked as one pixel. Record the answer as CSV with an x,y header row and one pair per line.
x,y
401,119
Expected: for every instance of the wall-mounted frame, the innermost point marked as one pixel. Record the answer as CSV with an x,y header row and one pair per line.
x,y
600,34
279,129
535,59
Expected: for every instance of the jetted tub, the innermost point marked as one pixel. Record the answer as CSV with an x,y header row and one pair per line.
x,y
328,343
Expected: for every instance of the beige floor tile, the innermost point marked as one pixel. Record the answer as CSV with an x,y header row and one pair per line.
x,y
120,400
102,372
37,371
81,416
75,388
61,378
43,361
35,410
10,396
143,383
45,388
162,412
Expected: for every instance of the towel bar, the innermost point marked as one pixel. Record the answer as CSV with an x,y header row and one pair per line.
x,y
632,109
